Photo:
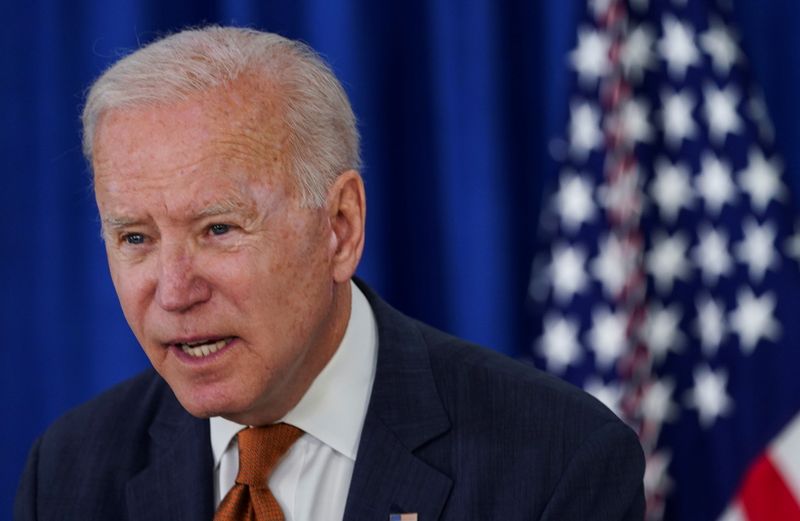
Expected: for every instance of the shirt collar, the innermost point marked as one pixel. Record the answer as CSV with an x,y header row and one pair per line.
x,y
334,407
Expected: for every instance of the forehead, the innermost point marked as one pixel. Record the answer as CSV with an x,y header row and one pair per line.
x,y
210,139
240,120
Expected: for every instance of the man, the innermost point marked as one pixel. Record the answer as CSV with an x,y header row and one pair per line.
x,y
225,169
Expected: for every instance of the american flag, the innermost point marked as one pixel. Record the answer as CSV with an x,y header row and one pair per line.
x,y
668,283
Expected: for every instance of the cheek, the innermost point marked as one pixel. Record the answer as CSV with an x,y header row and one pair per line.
x,y
131,285
273,280
313,243
258,281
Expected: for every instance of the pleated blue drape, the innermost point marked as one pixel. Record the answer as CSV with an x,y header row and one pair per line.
x,y
457,101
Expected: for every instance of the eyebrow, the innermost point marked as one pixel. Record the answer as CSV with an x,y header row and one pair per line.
x,y
221,208
118,222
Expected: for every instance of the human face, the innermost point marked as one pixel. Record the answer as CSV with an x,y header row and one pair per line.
x,y
208,244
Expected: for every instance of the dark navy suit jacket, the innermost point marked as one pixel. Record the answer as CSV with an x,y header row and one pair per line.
x,y
452,432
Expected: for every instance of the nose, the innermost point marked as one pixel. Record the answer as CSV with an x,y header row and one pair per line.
x,y
180,287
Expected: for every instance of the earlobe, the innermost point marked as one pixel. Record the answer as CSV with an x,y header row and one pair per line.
x,y
347,213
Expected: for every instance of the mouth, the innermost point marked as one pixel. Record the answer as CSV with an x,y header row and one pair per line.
x,y
203,348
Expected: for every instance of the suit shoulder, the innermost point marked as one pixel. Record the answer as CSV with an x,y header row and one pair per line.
x,y
466,371
80,467
117,413
526,419
105,439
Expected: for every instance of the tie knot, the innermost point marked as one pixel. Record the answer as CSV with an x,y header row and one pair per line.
x,y
260,449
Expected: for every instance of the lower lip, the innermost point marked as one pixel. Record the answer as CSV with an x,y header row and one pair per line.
x,y
198,360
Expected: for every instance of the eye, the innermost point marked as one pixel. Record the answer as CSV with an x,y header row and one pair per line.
x,y
133,238
219,229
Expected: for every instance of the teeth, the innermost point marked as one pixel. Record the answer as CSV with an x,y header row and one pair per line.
x,y
200,349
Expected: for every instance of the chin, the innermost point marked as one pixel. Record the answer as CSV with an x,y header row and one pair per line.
x,y
201,410
205,403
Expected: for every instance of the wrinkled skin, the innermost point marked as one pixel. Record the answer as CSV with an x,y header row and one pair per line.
x,y
207,240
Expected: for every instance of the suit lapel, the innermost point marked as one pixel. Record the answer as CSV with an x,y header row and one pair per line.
x,y
388,478
404,413
177,484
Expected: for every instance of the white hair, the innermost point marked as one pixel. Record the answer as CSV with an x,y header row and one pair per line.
x,y
323,140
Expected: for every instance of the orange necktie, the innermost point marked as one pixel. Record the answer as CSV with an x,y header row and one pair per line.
x,y
260,449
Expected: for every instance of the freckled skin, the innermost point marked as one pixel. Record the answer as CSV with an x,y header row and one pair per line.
x,y
277,277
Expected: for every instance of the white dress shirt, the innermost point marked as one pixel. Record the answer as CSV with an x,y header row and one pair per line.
x,y
312,480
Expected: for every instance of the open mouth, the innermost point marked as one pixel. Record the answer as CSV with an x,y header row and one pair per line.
x,y
203,348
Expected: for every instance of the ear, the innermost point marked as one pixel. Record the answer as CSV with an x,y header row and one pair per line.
x,y
347,209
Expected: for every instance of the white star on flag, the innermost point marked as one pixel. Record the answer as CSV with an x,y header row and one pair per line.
x,y
671,189
635,121
757,248
718,43
679,125
721,113
761,180
637,54
590,58
657,405
753,319
622,196
667,261
568,271
708,395
677,47
599,7
611,265
661,331
584,129
559,343
715,183
608,336
574,201
711,254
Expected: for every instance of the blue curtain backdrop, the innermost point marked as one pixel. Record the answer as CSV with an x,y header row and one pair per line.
x,y
457,101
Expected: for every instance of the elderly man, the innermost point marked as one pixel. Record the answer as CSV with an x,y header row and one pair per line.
x,y
226,176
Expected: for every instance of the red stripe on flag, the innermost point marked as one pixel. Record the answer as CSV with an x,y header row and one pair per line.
x,y
765,496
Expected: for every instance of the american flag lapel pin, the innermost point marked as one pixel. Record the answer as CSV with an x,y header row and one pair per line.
x,y
411,516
